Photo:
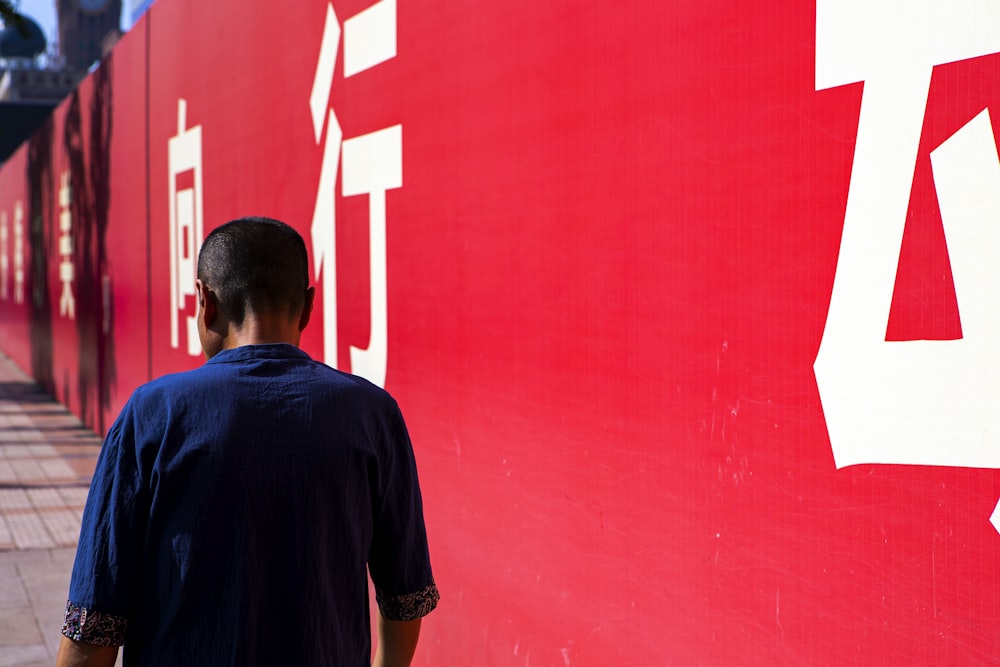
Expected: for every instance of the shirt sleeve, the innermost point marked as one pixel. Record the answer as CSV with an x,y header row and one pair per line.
x,y
105,571
399,561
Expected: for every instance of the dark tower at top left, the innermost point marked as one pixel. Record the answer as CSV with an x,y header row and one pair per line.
x,y
86,28
25,41
32,82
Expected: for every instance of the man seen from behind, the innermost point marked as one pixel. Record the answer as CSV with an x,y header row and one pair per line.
x,y
237,509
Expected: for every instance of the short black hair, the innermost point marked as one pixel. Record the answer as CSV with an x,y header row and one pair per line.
x,y
255,263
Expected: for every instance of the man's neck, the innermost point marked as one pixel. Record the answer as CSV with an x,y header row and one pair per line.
x,y
257,330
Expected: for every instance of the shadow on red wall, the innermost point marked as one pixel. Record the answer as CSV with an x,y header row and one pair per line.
x,y
85,145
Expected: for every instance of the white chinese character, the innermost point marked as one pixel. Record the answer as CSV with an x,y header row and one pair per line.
x,y
373,164
18,253
184,156
4,260
67,304
927,402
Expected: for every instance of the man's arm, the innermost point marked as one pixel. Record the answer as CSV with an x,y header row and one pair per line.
x,y
81,654
105,570
399,562
397,640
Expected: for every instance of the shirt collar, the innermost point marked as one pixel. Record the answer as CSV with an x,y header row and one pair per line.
x,y
254,352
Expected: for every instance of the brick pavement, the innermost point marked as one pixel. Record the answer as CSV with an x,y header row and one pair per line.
x,y
47,458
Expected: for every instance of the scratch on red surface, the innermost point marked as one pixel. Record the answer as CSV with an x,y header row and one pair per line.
x,y
777,615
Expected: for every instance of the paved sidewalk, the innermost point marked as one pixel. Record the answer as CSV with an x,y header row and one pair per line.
x,y
46,460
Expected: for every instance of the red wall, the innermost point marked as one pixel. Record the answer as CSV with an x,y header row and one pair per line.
x,y
611,239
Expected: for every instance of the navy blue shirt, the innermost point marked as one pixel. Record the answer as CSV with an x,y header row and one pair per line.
x,y
236,510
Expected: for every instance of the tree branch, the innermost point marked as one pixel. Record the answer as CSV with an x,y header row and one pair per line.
x,y
12,17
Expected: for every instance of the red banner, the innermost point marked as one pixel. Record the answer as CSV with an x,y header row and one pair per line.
x,y
595,252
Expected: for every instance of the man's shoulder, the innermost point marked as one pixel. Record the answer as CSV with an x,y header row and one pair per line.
x,y
346,384
302,373
152,398
173,381
353,393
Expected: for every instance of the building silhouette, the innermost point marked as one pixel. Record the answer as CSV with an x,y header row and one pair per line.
x,y
87,30
36,76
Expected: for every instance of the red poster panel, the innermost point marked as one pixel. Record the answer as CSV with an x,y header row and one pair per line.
x,y
126,250
72,233
688,306
59,194
223,143
71,269
591,250
15,260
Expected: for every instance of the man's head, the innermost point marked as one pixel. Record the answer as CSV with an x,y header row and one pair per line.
x,y
252,271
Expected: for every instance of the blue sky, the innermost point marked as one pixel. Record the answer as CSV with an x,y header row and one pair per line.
x,y
44,13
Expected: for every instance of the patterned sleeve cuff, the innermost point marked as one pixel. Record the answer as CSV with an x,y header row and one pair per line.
x,y
93,627
408,607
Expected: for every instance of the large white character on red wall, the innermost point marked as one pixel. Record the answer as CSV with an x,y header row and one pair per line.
x,y
6,236
67,302
928,402
18,253
4,257
372,164
186,235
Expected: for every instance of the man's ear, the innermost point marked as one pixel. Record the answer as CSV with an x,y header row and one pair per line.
x,y
208,303
307,307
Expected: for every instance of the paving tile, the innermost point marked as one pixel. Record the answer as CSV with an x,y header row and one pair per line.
x,y
57,470
18,557
12,593
47,585
83,468
63,558
42,451
51,625
47,458
45,497
6,539
18,628
25,655
28,470
15,451
63,525
14,499
44,564
74,496
29,532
